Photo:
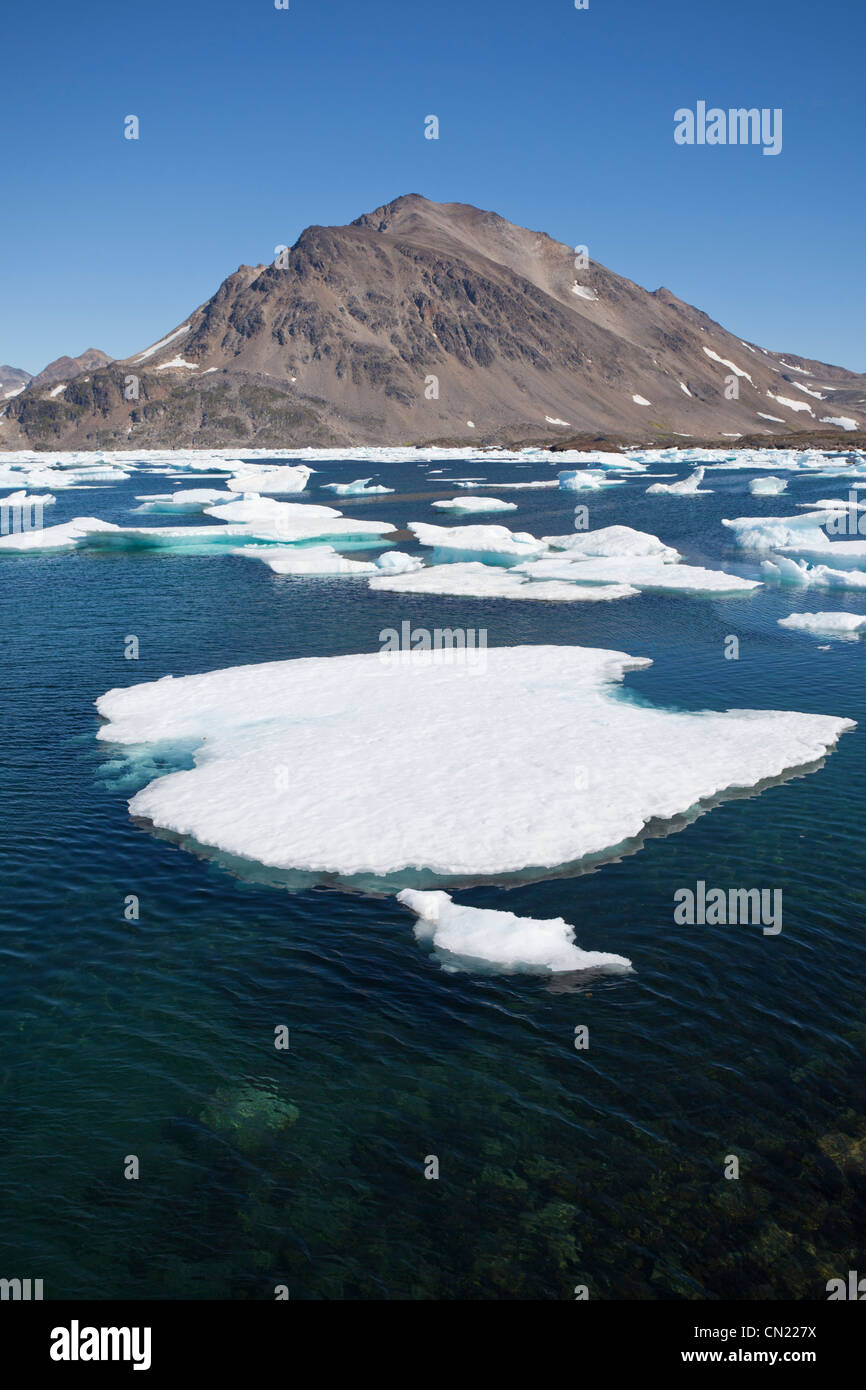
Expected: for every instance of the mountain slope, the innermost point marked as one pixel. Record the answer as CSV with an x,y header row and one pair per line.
x,y
12,380
421,322
65,368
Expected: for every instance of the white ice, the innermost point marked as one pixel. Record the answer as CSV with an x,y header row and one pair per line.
x,y
767,487
468,504
364,765
361,487
826,624
688,487
469,934
477,540
472,579
639,572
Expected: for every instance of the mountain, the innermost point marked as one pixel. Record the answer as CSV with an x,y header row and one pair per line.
x,y
65,368
13,380
437,322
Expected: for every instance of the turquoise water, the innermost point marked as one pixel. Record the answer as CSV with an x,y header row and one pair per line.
x,y
155,1037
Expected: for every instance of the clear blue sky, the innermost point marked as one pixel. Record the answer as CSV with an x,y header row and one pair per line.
x,y
256,122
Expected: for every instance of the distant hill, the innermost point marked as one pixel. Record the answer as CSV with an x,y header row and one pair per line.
x,y
65,368
436,322
13,379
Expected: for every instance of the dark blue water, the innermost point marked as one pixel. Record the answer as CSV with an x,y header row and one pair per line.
x,y
305,1167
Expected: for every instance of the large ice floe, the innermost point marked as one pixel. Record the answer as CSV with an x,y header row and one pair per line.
x,y
652,572
369,765
473,579
471,935
843,625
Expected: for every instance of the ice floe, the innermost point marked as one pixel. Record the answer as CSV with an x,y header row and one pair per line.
x,y
472,540
767,487
826,624
782,569
613,540
586,480
398,562
259,479
311,559
475,504
359,765
639,572
66,536
463,934
473,579
361,487
687,487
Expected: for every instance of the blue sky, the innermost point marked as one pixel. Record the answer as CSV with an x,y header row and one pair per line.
x,y
256,122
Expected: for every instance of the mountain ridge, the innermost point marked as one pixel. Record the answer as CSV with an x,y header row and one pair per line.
x,y
420,322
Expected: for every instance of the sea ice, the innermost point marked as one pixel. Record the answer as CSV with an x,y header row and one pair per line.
x,y
352,765
66,536
688,487
767,487
826,624
798,574
398,562
639,571
475,504
586,480
472,579
255,478
477,540
467,934
361,487
613,540
311,559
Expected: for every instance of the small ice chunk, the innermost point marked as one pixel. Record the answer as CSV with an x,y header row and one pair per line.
x,y
501,938
477,540
475,504
826,624
361,487
767,487
688,487
613,540
398,562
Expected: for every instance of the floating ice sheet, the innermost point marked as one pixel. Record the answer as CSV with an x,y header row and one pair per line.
x,y
473,579
353,765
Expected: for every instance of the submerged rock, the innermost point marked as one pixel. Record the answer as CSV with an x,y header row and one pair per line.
x,y
248,1117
